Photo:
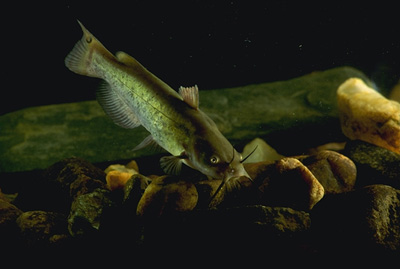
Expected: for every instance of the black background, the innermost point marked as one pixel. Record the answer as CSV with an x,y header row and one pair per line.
x,y
213,44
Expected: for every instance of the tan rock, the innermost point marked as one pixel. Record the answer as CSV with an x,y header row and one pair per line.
x,y
117,180
263,152
367,115
336,172
122,168
206,190
288,183
291,166
118,174
132,165
395,93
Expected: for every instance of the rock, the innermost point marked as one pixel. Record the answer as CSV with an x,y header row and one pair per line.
x,y
8,227
334,171
375,165
60,183
382,229
121,168
118,175
263,152
260,171
132,165
333,146
68,170
42,229
206,190
395,93
291,184
83,185
117,180
293,181
366,115
87,212
249,229
35,138
167,195
367,219
133,191
8,214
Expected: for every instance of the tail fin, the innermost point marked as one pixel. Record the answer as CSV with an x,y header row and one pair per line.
x,y
79,60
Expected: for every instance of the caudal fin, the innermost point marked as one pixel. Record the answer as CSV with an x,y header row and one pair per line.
x,y
79,60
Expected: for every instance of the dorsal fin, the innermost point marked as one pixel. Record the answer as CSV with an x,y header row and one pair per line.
x,y
128,60
190,95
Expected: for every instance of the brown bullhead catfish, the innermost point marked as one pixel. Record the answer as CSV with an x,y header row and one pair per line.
x,y
132,96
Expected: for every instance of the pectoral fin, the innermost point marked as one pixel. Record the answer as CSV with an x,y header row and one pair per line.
x,y
172,165
115,107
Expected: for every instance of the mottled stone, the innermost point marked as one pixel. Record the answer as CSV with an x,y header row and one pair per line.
x,y
375,165
83,185
367,219
245,230
87,212
8,227
58,186
39,228
34,138
367,115
68,170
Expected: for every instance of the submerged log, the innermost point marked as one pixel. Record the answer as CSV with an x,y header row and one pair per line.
x,y
279,112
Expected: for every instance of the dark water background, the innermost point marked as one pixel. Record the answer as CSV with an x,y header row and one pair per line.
x,y
213,44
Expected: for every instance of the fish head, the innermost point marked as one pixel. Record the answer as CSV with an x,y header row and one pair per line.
x,y
217,159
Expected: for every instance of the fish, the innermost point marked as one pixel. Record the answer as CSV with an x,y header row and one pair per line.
x,y
132,96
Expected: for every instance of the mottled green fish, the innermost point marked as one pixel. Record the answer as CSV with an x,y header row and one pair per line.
x,y
132,96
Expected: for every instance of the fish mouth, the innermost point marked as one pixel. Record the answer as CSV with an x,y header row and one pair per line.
x,y
236,182
233,183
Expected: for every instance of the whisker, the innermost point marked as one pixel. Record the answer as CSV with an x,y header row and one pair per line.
x,y
242,161
217,191
233,155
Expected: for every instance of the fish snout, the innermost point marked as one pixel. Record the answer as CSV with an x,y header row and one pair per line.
x,y
235,174
241,172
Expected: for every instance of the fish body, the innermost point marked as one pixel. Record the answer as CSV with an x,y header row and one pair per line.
x,y
133,96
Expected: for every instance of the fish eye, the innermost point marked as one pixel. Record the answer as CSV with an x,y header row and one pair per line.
x,y
214,159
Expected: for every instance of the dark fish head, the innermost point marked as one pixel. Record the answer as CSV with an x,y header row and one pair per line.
x,y
217,159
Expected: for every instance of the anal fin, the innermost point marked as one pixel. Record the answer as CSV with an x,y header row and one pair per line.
x,y
116,107
149,142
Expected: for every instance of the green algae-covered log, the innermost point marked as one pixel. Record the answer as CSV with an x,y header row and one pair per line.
x,y
290,115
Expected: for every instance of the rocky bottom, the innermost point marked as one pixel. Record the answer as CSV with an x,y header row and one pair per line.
x,y
70,207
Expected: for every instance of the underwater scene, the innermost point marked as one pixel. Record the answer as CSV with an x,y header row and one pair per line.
x,y
261,129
